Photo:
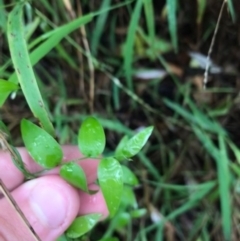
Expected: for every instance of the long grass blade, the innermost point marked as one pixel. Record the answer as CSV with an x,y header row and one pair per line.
x,y
129,44
221,158
231,10
56,36
99,26
172,22
23,68
149,15
224,188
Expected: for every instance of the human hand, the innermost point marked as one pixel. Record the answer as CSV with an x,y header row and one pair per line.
x,y
49,203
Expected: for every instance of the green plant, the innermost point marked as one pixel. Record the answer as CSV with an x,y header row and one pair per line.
x,y
40,141
45,150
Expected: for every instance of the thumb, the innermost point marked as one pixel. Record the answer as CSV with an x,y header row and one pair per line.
x,y
50,205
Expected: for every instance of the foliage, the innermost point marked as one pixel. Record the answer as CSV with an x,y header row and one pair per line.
x,y
121,65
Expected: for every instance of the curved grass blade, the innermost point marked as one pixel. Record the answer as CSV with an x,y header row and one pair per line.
x,y
55,36
23,68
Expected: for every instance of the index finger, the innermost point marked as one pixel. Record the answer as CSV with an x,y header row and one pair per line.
x,y
13,177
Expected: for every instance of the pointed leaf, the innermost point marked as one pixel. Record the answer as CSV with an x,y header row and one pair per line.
x,y
91,137
75,175
42,147
134,145
118,152
82,225
111,182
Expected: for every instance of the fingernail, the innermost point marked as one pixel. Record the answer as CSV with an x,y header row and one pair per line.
x,y
49,205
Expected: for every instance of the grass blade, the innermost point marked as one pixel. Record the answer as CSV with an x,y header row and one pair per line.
x,y
224,188
56,36
23,68
129,44
172,22
149,14
221,158
201,9
97,32
197,117
231,10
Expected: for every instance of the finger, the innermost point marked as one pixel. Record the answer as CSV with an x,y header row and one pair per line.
x,y
12,177
49,203
93,203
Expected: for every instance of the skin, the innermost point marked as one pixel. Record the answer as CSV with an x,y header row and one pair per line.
x,y
49,203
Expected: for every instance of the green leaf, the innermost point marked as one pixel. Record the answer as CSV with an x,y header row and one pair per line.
x,y
42,147
91,137
82,225
22,65
121,145
110,177
134,145
75,175
6,88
